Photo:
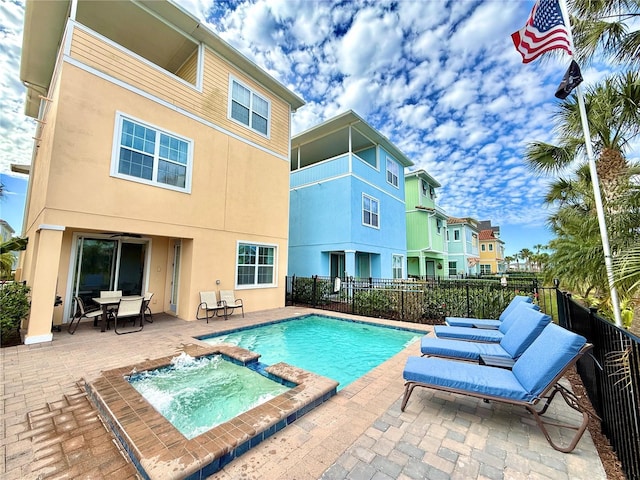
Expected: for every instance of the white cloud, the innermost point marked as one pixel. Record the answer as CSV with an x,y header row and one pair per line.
x,y
442,82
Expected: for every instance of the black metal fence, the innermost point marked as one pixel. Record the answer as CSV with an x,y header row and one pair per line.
x,y
613,383
413,300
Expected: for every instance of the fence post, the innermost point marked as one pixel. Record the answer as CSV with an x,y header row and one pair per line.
x,y
468,300
353,295
313,290
293,290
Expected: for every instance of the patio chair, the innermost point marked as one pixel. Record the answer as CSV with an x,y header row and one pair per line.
x,y
485,322
229,300
525,329
128,309
110,293
211,306
146,309
534,378
83,312
522,309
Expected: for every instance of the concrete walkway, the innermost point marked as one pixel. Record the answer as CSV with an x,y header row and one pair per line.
x,y
50,429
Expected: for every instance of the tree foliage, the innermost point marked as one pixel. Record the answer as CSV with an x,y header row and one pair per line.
x,y
577,256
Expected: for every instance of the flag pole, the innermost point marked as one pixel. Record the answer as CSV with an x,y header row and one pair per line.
x,y
595,182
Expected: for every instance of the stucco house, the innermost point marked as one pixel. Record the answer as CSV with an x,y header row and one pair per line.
x,y
427,255
463,246
347,208
491,252
157,146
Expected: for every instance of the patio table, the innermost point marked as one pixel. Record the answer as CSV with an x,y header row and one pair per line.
x,y
106,302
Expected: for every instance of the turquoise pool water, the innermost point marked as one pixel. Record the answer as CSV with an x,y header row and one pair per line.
x,y
196,394
343,350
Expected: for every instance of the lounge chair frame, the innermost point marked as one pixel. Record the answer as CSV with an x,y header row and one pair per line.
x,y
547,396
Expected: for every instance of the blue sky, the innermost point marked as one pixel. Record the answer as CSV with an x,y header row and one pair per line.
x,y
441,79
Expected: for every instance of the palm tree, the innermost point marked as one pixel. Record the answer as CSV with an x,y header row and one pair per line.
x,y
525,254
605,28
614,121
508,259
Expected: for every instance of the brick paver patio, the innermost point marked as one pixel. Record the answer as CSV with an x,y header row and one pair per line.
x,y
51,430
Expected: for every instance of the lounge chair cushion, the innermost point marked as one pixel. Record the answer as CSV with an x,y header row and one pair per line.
x,y
533,372
524,330
481,322
469,322
513,343
480,379
482,335
546,357
464,350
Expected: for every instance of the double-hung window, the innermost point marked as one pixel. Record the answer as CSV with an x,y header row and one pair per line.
x,y
397,266
256,265
370,211
249,108
147,154
392,172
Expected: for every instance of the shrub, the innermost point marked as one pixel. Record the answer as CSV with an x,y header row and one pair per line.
x,y
304,291
14,305
372,302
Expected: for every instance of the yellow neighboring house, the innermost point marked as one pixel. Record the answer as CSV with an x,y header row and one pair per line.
x,y
491,253
161,161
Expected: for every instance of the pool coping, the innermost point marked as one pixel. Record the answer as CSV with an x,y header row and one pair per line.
x,y
160,451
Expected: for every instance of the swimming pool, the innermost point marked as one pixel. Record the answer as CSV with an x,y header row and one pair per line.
x,y
341,349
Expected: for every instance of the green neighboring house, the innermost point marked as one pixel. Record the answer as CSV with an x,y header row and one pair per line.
x,y
426,227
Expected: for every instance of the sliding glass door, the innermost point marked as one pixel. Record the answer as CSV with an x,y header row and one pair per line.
x,y
109,264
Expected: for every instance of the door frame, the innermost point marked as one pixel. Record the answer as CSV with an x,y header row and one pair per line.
x,y
73,265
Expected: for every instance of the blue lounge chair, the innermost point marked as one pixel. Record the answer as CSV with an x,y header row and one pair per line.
x,y
521,310
516,340
534,378
487,323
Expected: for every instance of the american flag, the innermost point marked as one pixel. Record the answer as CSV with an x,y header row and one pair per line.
x,y
544,31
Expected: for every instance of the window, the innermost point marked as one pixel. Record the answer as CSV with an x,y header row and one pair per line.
x,y
491,247
149,155
485,269
397,264
370,211
438,225
249,108
392,172
425,187
432,192
453,269
483,247
456,235
474,240
256,265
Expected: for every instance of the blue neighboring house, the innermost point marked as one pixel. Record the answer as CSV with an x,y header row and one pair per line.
x,y
463,245
347,209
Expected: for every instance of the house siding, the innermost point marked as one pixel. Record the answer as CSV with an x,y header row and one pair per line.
x,y
326,216
211,104
239,189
